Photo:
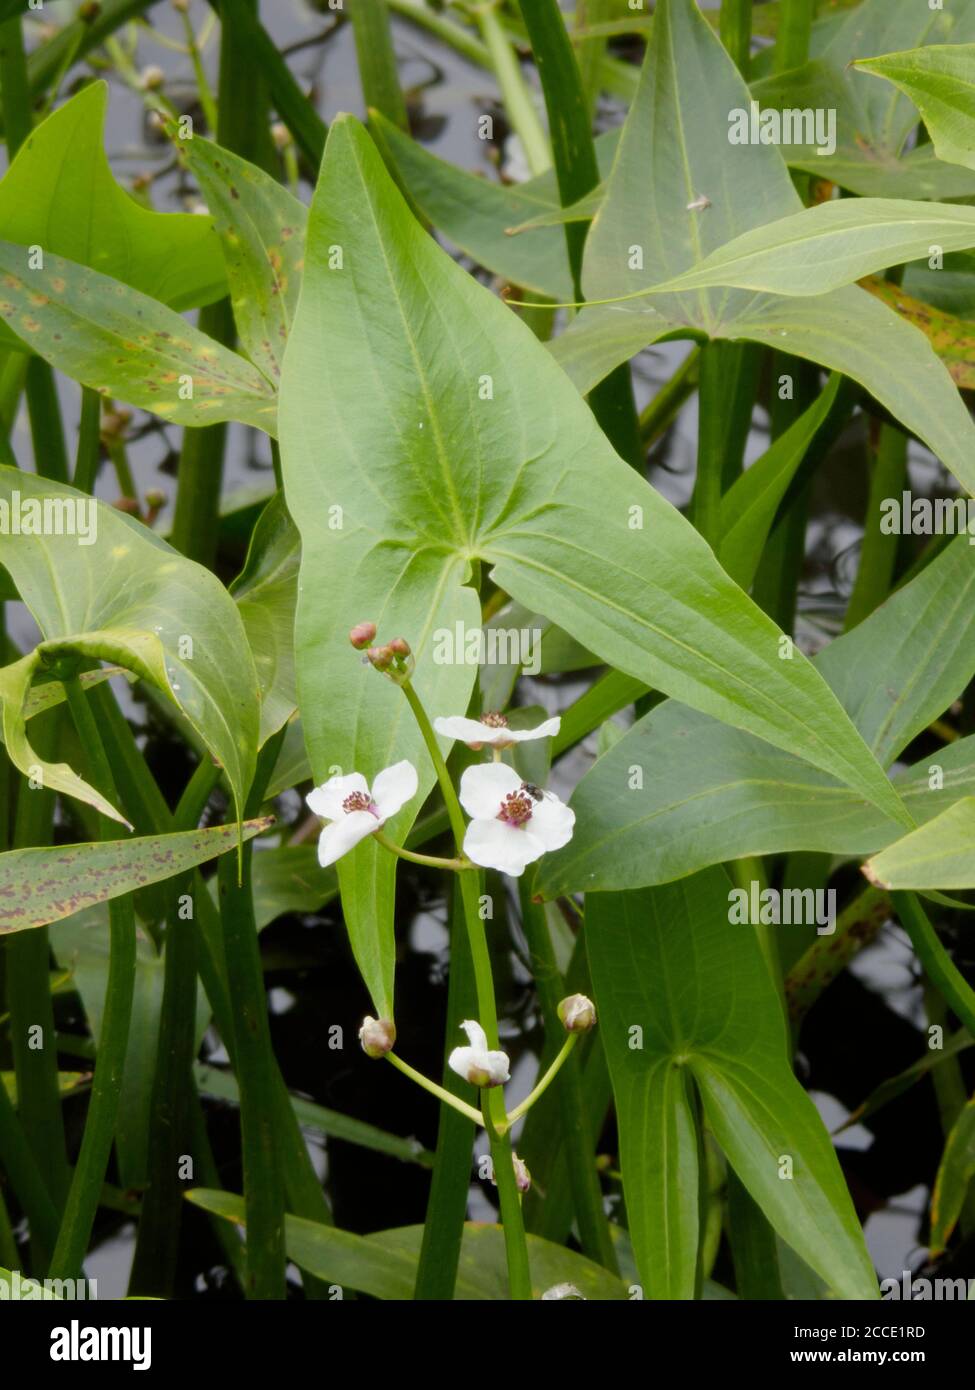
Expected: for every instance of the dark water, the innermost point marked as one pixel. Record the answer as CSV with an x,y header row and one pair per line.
x,y
873,1024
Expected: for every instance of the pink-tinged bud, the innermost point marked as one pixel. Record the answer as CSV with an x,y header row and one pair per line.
x,y
362,635
380,657
523,1179
377,1036
577,1013
399,646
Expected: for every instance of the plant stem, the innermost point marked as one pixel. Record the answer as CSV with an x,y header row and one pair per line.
x,y
546,1081
518,101
103,1106
377,61
736,32
940,969
454,1102
492,1101
512,1224
795,30
432,860
878,552
254,1060
89,442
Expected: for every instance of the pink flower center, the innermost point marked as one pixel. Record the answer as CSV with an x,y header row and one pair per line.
x,y
360,801
494,720
516,809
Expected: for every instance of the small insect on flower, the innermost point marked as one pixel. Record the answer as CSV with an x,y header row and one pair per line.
x,y
513,823
354,811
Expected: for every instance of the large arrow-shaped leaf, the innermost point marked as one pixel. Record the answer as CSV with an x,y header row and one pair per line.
x,y
475,447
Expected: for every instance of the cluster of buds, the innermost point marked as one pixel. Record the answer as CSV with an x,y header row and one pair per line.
x,y
394,660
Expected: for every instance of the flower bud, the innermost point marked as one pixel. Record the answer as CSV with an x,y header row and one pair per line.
x,y
152,78
361,635
577,1013
281,135
523,1179
377,1036
380,657
400,647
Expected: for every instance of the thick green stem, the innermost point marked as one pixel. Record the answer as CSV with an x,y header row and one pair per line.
x,y
795,30
512,1222
89,453
254,1061
96,1146
196,517
377,61
736,32
878,552
518,101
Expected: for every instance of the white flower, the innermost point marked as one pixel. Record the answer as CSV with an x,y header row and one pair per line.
x,y
578,1013
354,811
475,1063
492,731
512,822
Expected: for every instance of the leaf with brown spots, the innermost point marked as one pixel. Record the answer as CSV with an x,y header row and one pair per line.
x,y
40,886
952,338
125,345
262,229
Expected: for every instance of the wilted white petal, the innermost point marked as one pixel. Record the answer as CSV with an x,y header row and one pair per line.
x,y
344,834
552,822
495,845
476,1035
484,787
326,800
393,788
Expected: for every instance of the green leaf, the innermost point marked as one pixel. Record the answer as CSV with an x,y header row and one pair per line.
x,y
951,337
874,154
826,247
666,962
955,1175
124,344
127,598
939,854
749,506
266,592
938,79
262,231
479,215
384,1264
706,794
59,193
435,475
668,159
40,886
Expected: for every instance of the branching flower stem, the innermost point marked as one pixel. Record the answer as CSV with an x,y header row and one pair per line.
x,y
492,1100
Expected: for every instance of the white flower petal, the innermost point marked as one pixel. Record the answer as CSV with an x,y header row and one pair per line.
x,y
461,1061
476,1035
465,730
393,788
552,822
344,834
498,1067
326,800
547,730
484,787
496,845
